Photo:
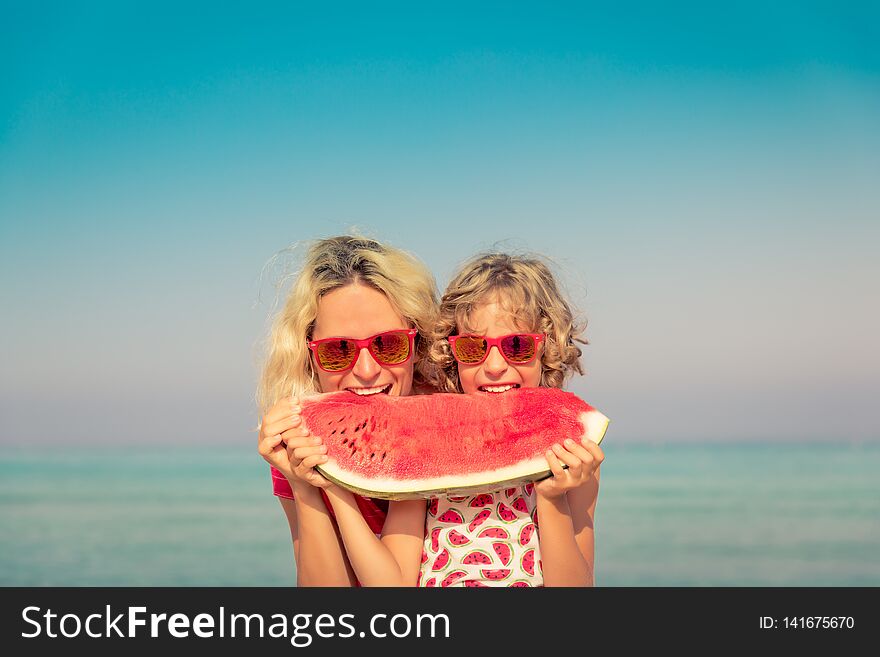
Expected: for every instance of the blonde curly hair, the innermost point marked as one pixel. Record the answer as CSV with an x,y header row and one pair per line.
x,y
525,287
330,264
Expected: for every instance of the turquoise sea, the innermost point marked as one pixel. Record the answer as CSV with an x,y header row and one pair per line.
x,y
668,515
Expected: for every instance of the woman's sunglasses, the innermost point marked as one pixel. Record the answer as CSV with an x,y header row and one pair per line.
x,y
340,354
517,348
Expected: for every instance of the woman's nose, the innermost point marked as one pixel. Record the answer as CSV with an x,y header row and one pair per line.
x,y
366,366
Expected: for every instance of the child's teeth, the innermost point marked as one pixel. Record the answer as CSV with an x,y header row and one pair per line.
x,y
497,388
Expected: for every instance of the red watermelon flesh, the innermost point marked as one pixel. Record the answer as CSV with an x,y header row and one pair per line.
x,y
425,445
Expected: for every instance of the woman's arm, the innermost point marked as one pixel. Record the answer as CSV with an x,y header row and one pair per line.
x,y
393,559
317,546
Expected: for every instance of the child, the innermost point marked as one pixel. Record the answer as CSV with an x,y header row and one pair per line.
x,y
503,325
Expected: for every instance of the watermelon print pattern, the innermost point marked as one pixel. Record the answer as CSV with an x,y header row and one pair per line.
x,y
489,539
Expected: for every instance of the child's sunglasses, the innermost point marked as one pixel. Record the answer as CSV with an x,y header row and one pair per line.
x,y
340,354
517,348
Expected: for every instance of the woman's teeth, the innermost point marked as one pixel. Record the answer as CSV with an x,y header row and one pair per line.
x,y
504,388
371,391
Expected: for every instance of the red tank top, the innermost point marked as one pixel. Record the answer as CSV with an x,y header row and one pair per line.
x,y
373,510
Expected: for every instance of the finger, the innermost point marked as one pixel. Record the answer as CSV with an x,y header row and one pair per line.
x,y
267,444
283,409
293,441
594,450
317,480
569,459
280,425
294,433
300,442
302,453
583,455
312,461
553,462
574,471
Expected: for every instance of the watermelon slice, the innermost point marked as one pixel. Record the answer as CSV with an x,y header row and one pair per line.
x,y
449,444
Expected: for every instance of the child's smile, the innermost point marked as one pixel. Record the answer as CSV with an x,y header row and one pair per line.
x,y
504,387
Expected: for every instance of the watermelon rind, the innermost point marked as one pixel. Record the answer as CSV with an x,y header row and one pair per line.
x,y
535,469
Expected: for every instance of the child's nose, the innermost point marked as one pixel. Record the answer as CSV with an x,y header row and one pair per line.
x,y
494,363
366,366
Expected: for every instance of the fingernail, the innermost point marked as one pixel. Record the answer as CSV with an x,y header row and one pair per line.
x,y
569,442
323,448
296,409
316,441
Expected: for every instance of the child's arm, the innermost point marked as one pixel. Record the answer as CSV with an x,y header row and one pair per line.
x,y
582,502
564,502
563,562
394,559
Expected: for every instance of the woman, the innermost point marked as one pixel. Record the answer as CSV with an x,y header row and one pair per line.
x,y
352,321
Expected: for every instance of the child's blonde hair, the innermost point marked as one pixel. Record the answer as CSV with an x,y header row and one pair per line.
x,y
330,264
524,287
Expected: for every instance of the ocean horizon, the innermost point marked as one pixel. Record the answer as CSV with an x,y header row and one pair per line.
x,y
672,514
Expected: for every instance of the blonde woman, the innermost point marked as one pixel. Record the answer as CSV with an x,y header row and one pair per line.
x,y
355,319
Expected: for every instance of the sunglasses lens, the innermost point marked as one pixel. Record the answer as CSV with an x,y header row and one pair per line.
x,y
518,348
470,349
336,355
390,348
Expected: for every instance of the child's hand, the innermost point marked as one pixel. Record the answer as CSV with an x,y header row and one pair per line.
x,y
582,460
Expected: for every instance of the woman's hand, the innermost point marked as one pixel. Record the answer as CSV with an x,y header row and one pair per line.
x,y
270,443
582,460
304,451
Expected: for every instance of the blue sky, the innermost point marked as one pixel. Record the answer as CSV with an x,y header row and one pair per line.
x,y
706,179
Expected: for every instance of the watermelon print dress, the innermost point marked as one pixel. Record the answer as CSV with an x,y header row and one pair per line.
x,y
482,540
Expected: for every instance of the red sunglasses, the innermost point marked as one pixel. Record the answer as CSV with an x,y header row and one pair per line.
x,y
340,354
517,348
